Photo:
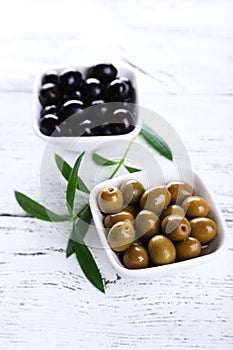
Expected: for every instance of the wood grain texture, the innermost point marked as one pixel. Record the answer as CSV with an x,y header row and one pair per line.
x,y
181,53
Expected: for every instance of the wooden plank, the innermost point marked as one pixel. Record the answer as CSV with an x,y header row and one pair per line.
x,y
196,119
181,53
37,283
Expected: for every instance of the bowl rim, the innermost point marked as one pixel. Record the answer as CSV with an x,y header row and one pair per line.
x,y
163,269
81,140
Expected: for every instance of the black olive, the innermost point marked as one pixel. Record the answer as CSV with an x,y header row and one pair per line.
x,y
49,94
72,95
122,122
97,102
126,81
86,127
92,89
48,124
68,127
70,80
116,91
70,108
103,72
131,98
102,130
50,77
132,108
100,112
49,110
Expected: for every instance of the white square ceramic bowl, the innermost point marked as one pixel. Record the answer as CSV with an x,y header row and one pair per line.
x,y
215,247
86,142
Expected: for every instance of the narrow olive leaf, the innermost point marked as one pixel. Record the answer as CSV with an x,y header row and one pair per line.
x,y
86,260
72,183
70,248
66,169
82,226
84,221
156,142
37,210
102,161
131,169
82,187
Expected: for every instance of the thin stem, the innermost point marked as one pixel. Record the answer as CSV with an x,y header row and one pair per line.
x,y
121,162
79,212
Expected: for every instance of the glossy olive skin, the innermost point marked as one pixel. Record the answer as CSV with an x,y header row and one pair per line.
x,y
131,98
132,191
110,200
179,191
116,91
155,199
71,107
122,122
161,250
195,206
92,89
135,257
49,110
133,209
104,72
112,219
188,249
176,227
50,76
70,79
48,124
121,236
49,94
147,224
204,229
72,95
172,210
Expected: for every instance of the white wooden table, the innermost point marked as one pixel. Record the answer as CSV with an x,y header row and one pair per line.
x,y
182,54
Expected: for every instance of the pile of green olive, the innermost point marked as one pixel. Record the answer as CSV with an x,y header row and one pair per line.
x,y
157,226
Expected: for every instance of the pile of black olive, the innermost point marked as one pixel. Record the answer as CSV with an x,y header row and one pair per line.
x,y
66,96
157,226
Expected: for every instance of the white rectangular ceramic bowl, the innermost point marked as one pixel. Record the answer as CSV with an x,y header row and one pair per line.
x,y
87,142
216,246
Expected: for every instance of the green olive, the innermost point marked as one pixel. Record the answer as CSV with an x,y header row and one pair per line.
x,y
147,224
110,200
176,227
133,209
121,236
172,210
179,191
112,219
195,206
132,191
188,249
161,250
155,199
204,229
135,257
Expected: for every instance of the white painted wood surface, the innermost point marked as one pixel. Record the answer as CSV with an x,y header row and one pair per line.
x,y
182,54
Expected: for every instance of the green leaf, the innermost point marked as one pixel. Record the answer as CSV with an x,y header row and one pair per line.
x,y
86,260
37,210
70,248
82,226
84,220
102,161
131,169
72,184
82,187
66,169
156,142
